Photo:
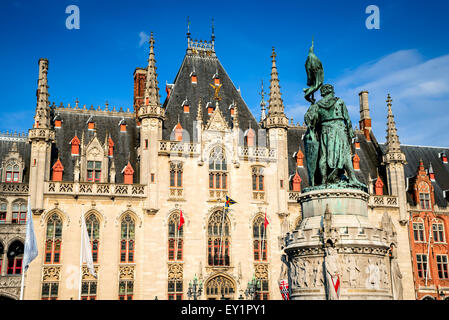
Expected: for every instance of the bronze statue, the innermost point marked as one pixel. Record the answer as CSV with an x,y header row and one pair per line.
x,y
329,135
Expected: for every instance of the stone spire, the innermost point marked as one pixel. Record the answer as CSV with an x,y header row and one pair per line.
x,y
393,146
365,118
276,116
262,104
42,116
151,107
151,86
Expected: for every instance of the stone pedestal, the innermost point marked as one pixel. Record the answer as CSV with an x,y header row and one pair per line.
x,y
338,218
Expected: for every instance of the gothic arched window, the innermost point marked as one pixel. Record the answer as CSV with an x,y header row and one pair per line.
x,y
12,172
438,230
424,195
175,238
93,230
418,230
259,239
218,239
3,211
218,176
15,257
257,178
127,239
19,212
53,239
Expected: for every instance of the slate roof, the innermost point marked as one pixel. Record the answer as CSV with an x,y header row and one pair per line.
x,y
23,147
429,155
205,68
74,123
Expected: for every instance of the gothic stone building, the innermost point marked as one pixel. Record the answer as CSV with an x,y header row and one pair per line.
x,y
132,174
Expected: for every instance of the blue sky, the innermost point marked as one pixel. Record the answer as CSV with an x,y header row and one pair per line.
x,y
407,57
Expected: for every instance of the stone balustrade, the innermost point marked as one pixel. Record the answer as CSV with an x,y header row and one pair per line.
x,y
257,152
383,201
95,189
167,147
15,188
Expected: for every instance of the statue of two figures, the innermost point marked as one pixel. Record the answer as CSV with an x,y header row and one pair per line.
x,y
328,140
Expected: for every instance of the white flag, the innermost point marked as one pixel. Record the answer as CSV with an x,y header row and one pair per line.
x,y
30,241
86,250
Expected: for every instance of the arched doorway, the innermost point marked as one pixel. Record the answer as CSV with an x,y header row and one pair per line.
x,y
219,287
428,298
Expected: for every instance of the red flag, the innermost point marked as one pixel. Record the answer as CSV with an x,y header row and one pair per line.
x,y
181,221
266,221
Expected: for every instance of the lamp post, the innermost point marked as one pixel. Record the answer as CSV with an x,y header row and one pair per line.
x,y
252,290
195,289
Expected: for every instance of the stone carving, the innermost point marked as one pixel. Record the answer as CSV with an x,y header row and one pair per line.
x,y
353,271
261,271
396,275
126,272
332,273
373,272
284,268
308,279
87,275
51,273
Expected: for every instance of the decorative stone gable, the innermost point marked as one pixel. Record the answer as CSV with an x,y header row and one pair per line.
x,y
217,122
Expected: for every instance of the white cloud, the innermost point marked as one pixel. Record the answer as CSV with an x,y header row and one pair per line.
x,y
143,38
419,89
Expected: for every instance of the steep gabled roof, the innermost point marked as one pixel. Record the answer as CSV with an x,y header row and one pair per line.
x,y
205,68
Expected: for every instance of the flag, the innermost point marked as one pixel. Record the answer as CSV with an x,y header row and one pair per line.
x,y
228,202
283,287
336,285
265,223
30,240
86,249
181,221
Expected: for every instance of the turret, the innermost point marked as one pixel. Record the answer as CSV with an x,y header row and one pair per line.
x,y
150,114
41,137
394,159
365,119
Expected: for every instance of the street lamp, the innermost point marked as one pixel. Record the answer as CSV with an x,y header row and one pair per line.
x,y
195,289
252,290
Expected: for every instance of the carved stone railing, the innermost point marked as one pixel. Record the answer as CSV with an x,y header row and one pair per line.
x,y
259,195
257,152
383,201
176,193
10,285
293,196
95,189
167,147
14,188
217,194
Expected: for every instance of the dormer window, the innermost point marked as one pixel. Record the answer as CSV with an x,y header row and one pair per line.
x,y
249,137
75,146
357,144
210,108
443,157
58,169
12,173
168,89
379,186
296,182
94,171
122,125
128,172
186,106
217,81
299,158
424,195
232,109
356,162
193,77
178,132
90,124
58,123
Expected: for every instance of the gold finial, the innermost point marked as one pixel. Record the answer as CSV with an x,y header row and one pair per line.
x,y
216,91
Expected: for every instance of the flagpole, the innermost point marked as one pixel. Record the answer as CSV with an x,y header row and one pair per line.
x,y
22,285
428,253
176,238
81,252
221,235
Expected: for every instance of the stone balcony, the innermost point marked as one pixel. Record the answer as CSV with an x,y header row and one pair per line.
x,y
176,194
257,152
14,188
95,189
168,147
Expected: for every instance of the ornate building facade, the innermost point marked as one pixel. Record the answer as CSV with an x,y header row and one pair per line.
x,y
132,174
